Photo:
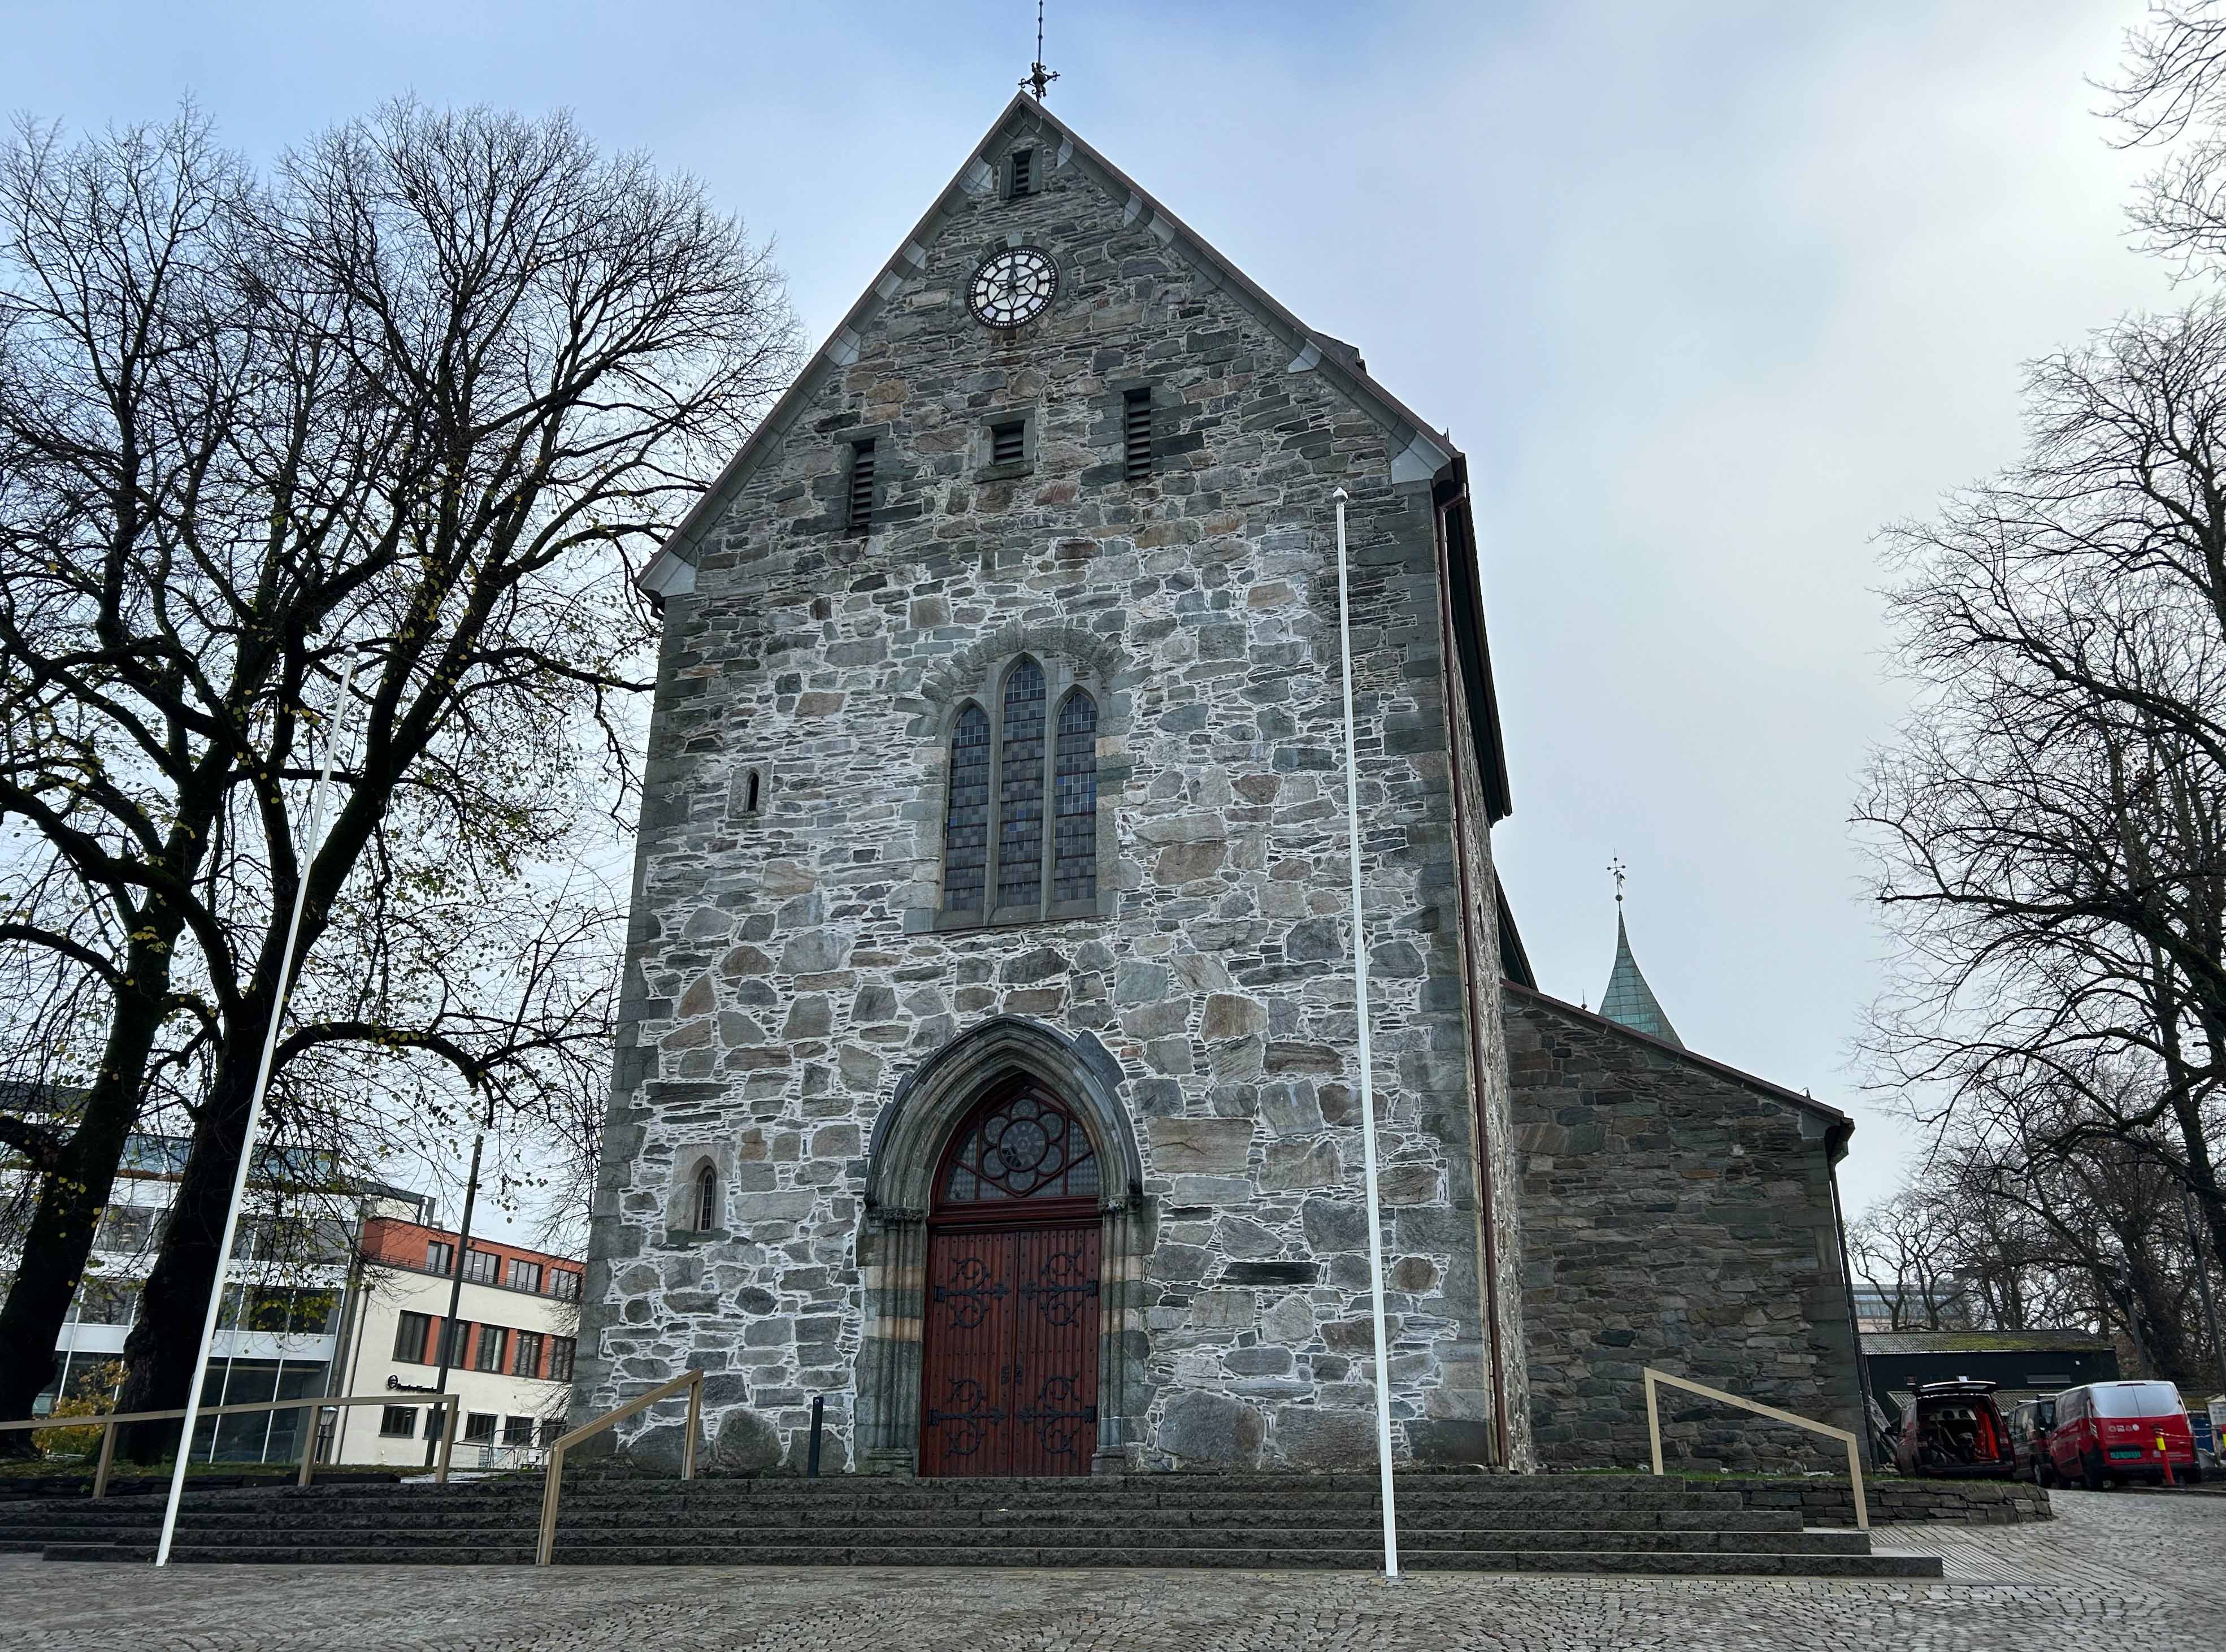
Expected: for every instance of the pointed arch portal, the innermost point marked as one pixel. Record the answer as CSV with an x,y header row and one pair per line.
x,y
1003,1213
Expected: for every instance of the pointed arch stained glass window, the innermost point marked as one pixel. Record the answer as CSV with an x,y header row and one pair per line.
x,y
1074,841
1024,1146
966,826
1020,789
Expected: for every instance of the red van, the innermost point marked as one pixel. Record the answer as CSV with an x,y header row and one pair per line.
x,y
2108,1433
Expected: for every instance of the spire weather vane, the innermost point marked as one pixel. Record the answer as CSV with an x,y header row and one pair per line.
x,y
1615,869
1037,79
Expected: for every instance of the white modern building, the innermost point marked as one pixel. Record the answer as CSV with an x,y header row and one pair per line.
x,y
295,1269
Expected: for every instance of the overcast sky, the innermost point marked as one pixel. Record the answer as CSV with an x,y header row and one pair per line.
x,y
1708,293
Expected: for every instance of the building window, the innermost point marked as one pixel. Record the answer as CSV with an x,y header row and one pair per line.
x,y
552,1430
525,1275
528,1363
1136,435
1020,175
1074,850
518,1431
454,1338
479,1428
751,787
564,1284
109,1302
966,828
410,1331
705,1214
1008,442
1002,847
493,1341
560,1358
398,1422
440,1256
858,495
481,1266
1020,789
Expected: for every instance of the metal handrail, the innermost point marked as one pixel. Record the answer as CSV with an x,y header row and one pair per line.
x,y
109,1420
1654,1428
554,1490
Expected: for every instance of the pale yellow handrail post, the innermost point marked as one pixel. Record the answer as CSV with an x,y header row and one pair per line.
x,y
1653,1420
695,1420
107,1458
448,1436
1654,1429
551,1489
309,1446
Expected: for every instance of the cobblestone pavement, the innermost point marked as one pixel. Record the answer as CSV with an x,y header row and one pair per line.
x,y
2111,1571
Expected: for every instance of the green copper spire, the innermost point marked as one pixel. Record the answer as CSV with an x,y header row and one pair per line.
x,y
1629,1000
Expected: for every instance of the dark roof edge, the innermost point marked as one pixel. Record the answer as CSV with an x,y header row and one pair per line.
x,y
1514,956
1722,1070
1449,493
672,570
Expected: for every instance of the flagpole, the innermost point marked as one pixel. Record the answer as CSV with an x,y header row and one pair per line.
x,y
1367,1072
254,1112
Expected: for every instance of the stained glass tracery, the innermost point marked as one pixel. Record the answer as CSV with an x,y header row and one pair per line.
x,y
1025,1146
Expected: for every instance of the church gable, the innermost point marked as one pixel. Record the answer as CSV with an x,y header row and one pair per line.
x,y
1129,251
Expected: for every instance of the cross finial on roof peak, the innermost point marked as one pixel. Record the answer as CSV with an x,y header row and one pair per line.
x,y
1615,869
1037,82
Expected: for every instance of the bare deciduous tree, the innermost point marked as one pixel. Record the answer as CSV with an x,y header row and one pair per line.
x,y
425,397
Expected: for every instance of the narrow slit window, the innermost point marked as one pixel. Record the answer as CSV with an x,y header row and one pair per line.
x,y
966,825
707,1199
1074,844
860,506
750,798
1020,789
1008,442
1024,172
1136,435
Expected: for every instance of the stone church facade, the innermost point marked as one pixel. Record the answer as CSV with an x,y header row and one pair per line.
x,y
987,1064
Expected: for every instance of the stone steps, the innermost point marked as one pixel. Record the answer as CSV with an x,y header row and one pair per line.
x,y
1486,1523
713,1543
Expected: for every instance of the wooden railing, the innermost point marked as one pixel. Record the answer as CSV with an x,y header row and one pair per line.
x,y
554,1490
1654,1428
107,1422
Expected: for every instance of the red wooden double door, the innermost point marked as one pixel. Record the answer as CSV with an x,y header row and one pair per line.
x,y
1009,1370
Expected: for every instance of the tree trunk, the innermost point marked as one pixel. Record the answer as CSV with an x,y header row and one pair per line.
x,y
71,1193
165,1342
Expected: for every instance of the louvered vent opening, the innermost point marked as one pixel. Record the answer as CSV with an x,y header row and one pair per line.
x,y
1008,442
1024,172
860,500
1136,435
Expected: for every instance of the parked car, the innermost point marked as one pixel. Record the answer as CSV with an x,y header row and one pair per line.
x,y
2030,1423
2111,1432
1955,1431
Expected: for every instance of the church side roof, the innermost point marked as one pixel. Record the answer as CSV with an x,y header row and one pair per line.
x,y
1836,1121
1629,1002
1421,452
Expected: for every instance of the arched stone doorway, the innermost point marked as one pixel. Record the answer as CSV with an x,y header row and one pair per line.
x,y
1008,1359
1054,1233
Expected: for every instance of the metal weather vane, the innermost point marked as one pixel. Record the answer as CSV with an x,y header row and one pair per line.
x,y
1037,79
1615,870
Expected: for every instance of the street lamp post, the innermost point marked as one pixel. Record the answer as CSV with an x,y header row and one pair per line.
x,y
286,964
1367,1069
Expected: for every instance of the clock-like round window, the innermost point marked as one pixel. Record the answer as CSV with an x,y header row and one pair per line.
x,y
1011,287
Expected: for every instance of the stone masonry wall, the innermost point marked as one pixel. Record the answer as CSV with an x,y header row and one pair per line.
x,y
1673,1217
785,972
